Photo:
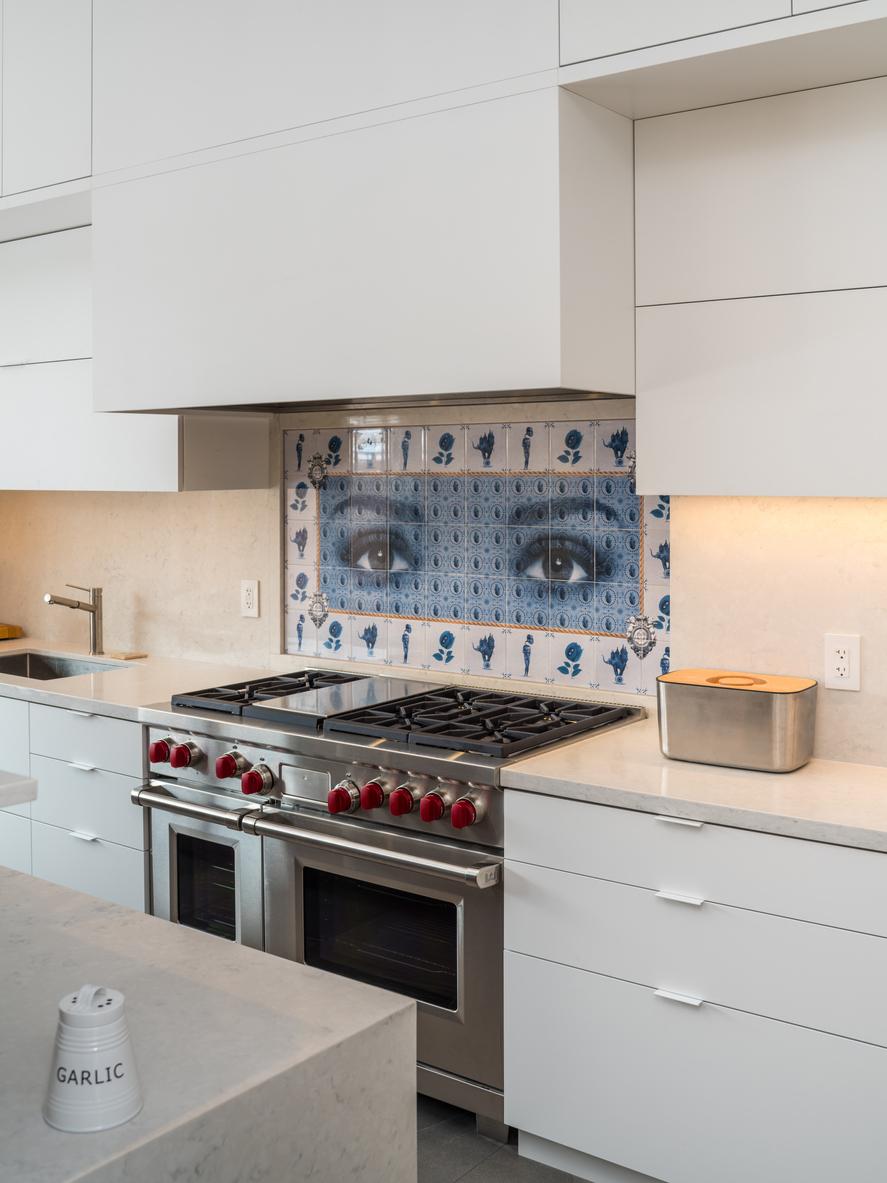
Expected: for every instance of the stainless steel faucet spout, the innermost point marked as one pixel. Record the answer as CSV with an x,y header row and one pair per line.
x,y
94,608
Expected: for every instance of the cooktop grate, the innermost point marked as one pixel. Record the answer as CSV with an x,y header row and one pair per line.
x,y
232,699
487,722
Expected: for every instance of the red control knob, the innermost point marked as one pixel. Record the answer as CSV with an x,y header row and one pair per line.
x,y
372,795
226,766
338,801
463,814
432,807
400,802
251,782
184,754
158,752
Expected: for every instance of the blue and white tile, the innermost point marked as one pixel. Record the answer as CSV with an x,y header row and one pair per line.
x,y
657,607
445,499
572,446
572,659
333,444
369,638
571,556
526,655
617,556
486,600
406,498
370,449
445,647
301,501
406,644
527,552
614,440
615,603
617,667
302,542
445,596
529,447
528,603
657,510
406,449
334,499
301,635
445,552
573,606
335,583
529,499
445,449
657,554
486,552
296,453
406,594
617,506
301,580
369,591
486,651
486,499
486,447
334,636
334,550
572,500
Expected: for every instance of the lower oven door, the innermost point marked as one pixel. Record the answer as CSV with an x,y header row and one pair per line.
x,y
433,934
205,873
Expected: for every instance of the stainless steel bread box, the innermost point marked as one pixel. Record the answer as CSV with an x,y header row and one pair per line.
x,y
760,721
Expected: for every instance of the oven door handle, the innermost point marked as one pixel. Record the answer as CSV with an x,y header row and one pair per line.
x,y
479,875
144,796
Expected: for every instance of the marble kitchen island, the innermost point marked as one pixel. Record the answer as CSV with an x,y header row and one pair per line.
x,y
252,1067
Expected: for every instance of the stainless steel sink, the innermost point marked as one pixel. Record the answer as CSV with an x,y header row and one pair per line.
x,y
45,666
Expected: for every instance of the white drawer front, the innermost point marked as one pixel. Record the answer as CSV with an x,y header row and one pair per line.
x,y
112,744
14,747
99,868
15,842
88,799
827,978
835,885
688,1094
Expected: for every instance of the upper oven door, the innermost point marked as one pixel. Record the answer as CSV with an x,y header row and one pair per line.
x,y
374,918
206,874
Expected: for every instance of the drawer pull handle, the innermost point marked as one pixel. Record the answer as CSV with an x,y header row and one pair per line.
x,y
82,767
84,714
679,899
678,821
685,998
84,837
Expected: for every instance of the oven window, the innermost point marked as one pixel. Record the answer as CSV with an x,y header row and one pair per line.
x,y
382,936
206,880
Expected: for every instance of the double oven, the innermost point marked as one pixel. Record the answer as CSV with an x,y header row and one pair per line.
x,y
408,907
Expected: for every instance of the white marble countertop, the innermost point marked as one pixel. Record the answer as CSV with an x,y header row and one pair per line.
x,y
121,691
825,801
252,1067
16,789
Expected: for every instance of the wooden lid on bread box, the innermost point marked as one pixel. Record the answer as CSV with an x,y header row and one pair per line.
x,y
735,680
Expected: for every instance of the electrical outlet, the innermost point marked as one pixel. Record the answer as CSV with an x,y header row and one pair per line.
x,y
841,662
249,597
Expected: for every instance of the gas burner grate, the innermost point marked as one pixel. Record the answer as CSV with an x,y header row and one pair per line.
x,y
232,699
487,722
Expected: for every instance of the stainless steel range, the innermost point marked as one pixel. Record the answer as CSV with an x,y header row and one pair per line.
x,y
356,824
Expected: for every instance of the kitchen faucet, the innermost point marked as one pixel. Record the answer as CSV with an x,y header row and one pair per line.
x,y
94,608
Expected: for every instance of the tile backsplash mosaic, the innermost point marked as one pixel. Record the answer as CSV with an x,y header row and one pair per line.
x,y
516,550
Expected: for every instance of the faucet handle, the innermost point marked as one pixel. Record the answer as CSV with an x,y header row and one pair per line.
x,y
77,587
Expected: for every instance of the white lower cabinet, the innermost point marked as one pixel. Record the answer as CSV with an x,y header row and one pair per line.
x,y
88,800
687,1094
15,841
89,864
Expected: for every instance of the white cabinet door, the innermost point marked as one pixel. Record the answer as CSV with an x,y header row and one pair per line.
x,y
46,298
748,397
112,744
15,841
171,77
14,748
89,800
91,865
683,1093
47,92
595,28
776,195
423,255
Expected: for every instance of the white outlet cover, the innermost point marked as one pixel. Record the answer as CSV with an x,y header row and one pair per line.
x,y
249,597
833,642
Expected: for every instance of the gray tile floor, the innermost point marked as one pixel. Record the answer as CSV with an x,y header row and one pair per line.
x,y
452,1151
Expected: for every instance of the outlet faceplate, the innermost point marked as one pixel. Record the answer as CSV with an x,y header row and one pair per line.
x,y
249,597
841,661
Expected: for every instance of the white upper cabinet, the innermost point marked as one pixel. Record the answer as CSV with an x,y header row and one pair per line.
x,y
47,79
784,194
46,298
172,78
483,247
596,28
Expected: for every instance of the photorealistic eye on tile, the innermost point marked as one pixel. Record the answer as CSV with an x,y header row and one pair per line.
x,y
496,532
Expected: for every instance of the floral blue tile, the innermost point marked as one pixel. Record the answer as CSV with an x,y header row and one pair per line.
x,y
445,647
528,447
572,447
572,500
406,594
369,591
485,599
332,444
657,608
486,447
445,449
528,603
572,660
526,655
406,449
301,501
370,449
529,502
485,650
445,596
657,510
486,500
406,643
301,583
486,552
445,548
369,638
614,441
334,637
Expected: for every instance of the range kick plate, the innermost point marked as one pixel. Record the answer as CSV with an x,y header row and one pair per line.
x,y
308,707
